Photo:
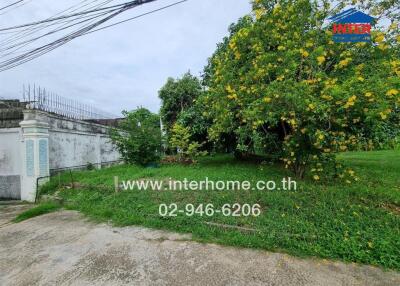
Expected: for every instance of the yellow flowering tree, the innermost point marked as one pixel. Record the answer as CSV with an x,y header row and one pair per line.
x,y
187,149
279,82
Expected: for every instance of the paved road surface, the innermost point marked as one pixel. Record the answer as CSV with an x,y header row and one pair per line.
x,y
9,210
63,248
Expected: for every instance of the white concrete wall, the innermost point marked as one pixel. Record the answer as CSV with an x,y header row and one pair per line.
x,y
108,151
10,151
77,143
10,163
68,149
71,143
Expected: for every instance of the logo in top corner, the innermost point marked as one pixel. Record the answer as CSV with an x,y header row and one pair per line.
x,y
351,26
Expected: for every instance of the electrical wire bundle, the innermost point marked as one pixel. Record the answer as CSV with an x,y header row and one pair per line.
x,y
22,43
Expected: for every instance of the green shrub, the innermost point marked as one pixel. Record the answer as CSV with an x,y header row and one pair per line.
x,y
180,139
138,137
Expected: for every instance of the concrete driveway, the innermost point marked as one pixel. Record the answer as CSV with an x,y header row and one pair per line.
x,y
63,248
9,210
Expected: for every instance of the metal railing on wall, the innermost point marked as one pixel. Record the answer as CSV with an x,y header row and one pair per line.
x,y
41,99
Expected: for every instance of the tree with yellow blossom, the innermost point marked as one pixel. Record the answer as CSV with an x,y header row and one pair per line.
x,y
280,83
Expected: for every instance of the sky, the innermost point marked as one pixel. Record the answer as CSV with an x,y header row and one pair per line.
x,y
123,67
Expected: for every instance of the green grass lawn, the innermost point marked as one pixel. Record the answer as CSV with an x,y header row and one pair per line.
x,y
358,222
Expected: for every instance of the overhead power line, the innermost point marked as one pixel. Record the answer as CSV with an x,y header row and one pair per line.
x,y
24,33
5,65
75,7
138,16
20,45
89,21
12,4
110,8
18,40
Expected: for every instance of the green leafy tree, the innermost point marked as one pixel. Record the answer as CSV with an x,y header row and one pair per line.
x,y
225,141
210,68
187,150
138,137
193,119
280,82
177,95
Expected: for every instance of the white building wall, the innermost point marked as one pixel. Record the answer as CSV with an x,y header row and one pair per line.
x,y
10,163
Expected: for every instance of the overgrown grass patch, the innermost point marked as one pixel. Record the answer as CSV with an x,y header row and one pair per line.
x,y
349,222
41,209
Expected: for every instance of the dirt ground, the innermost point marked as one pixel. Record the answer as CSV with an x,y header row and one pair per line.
x,y
64,248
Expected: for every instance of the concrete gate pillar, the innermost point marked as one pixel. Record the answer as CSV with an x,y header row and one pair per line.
x,y
98,151
35,152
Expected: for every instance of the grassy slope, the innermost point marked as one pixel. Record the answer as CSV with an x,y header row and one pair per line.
x,y
37,211
356,222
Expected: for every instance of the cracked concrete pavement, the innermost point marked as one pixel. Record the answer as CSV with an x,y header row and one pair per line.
x,y
64,248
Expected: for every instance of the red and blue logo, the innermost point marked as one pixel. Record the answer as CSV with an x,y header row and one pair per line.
x,y
351,26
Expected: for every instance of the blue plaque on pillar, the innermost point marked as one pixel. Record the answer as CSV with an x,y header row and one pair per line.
x,y
43,157
30,158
